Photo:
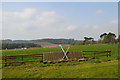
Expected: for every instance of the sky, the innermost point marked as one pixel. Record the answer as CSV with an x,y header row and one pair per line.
x,y
76,20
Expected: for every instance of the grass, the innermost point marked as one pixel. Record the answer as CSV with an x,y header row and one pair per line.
x,y
65,70
94,68
29,51
95,47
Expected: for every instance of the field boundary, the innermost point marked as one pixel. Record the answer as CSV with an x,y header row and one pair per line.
x,y
6,58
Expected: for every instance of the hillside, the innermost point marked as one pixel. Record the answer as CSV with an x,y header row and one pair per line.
x,y
15,44
53,41
46,44
95,47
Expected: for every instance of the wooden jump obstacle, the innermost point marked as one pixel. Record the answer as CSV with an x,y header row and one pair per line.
x,y
73,55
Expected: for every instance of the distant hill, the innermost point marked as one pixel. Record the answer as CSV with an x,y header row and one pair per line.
x,y
50,40
60,41
16,41
46,44
42,42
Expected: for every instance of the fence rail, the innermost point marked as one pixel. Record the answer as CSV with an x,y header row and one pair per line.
x,y
97,51
14,57
22,57
6,59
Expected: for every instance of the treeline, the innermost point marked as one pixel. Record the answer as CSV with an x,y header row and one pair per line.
x,y
12,44
105,38
60,41
54,41
18,45
109,38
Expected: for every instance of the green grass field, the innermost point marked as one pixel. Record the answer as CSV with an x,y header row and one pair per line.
x,y
95,68
96,47
64,70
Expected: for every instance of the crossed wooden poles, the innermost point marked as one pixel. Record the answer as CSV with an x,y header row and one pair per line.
x,y
65,52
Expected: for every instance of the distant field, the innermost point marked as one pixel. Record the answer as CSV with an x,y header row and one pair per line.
x,y
96,47
64,70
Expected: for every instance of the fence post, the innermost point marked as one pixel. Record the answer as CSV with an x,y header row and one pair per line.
x,y
94,55
108,55
22,59
42,57
5,61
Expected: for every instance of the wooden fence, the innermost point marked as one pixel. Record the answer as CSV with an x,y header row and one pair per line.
x,y
6,59
96,53
42,57
74,55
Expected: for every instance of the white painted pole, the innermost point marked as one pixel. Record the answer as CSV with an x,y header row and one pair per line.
x,y
62,48
65,53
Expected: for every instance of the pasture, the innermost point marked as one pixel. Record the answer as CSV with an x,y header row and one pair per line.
x,y
63,70
94,68
97,47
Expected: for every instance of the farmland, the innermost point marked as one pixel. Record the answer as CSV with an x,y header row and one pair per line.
x,y
100,68
97,47
64,70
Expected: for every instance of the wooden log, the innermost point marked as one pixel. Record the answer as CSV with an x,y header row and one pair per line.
x,y
83,59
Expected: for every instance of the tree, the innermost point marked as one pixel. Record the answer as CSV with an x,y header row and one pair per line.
x,y
88,40
103,35
111,37
108,38
105,40
118,40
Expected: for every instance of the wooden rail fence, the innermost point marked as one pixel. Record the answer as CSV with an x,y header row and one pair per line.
x,y
107,53
95,54
21,57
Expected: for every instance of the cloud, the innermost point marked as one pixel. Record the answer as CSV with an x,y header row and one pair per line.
x,y
31,23
94,30
49,18
95,27
71,28
114,22
99,12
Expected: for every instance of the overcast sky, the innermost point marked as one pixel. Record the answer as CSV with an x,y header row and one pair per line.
x,y
37,20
